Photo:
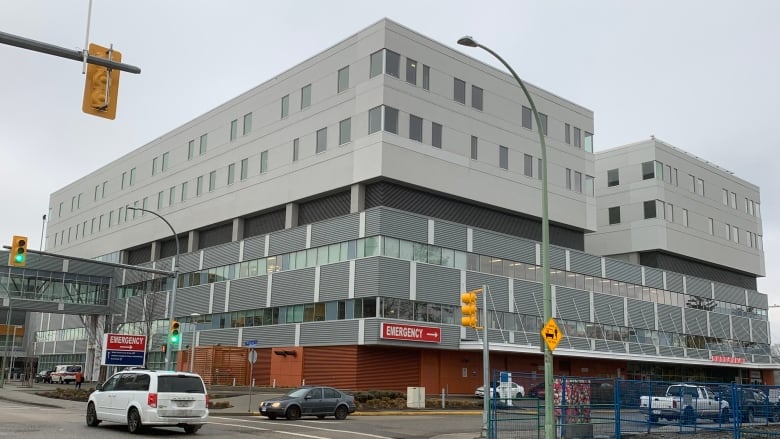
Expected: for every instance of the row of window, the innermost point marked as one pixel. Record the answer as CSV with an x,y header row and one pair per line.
x,y
752,208
431,254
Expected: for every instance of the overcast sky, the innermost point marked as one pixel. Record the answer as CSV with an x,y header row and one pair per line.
x,y
700,75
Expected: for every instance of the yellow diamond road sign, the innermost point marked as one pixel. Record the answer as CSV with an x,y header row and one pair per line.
x,y
551,334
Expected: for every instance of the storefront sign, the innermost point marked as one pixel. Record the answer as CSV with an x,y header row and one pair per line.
x,y
123,350
398,331
730,360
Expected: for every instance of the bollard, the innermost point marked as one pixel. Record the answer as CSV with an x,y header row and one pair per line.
x,y
443,396
234,382
273,384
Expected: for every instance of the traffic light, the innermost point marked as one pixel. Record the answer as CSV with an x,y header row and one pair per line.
x,y
18,255
468,308
174,336
101,85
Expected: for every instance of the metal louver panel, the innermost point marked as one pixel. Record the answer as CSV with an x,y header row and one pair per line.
x,y
64,347
218,304
335,230
398,224
741,326
330,333
654,278
674,282
156,305
670,318
318,365
438,284
188,262
38,262
118,306
89,269
760,334
695,268
193,300
227,337
249,293
367,277
286,241
394,278
271,336
610,346
135,309
720,326
702,354
139,255
695,321
168,246
323,208
641,349
670,351
756,299
450,235
292,287
572,304
504,246
608,309
334,282
623,271
254,248
379,367
698,287
264,223
641,314
498,289
528,298
220,255
215,236
578,343
584,263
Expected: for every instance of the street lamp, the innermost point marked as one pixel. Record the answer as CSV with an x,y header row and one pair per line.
x,y
175,275
13,350
549,424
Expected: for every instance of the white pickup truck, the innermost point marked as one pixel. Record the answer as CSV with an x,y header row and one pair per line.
x,y
685,402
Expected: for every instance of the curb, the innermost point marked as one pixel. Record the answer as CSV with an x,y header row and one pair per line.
x,y
214,412
23,401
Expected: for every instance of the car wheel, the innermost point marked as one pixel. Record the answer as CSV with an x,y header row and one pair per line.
x,y
688,417
92,419
775,416
293,413
749,417
134,424
191,429
271,417
341,413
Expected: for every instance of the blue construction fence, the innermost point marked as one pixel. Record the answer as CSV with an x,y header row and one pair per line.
x,y
587,407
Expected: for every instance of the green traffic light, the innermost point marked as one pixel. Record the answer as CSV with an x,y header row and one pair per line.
x,y
174,338
19,258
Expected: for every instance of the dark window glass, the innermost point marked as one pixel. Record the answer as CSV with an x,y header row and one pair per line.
x,y
650,209
527,118
322,140
567,133
528,165
391,120
426,77
614,215
343,79
577,137
613,178
345,131
376,64
503,157
415,127
474,144
393,64
476,97
459,92
543,118
436,134
411,71
648,170
179,384
374,119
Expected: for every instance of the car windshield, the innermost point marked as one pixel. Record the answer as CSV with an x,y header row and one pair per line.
x,y
298,393
180,384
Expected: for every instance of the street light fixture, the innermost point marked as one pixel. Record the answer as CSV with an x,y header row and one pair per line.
x,y
549,424
175,276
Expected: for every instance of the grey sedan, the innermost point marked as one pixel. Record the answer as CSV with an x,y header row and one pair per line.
x,y
309,401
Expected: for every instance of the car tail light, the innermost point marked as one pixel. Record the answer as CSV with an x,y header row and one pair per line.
x,y
674,404
208,400
151,400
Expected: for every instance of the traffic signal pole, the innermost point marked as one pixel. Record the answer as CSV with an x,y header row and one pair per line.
x,y
485,366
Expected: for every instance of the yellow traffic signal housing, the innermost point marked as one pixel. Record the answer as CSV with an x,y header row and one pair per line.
x,y
468,309
18,255
174,336
101,85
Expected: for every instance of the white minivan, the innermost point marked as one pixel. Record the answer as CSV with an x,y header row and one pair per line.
x,y
140,398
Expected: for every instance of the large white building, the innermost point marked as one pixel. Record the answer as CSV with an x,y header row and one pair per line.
x,y
371,184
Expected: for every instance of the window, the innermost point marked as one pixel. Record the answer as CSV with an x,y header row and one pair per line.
x,y
132,176
97,190
650,209
305,96
171,195
670,212
614,215
199,186
376,64
568,178
233,129
436,134
345,131
204,140
476,97
342,82
589,186
459,91
322,140
212,180
374,119
121,186
393,64
613,177
503,157
474,142
726,197
190,149
528,165
183,193
527,123
415,127
659,170
691,183
285,106
247,123
728,232
165,161
154,166
295,149
159,205
578,182
567,133
231,174
244,170
733,200
264,161
391,120
700,186
426,77
411,71
144,205
543,119
648,170
710,226
668,174
577,138
735,234
685,217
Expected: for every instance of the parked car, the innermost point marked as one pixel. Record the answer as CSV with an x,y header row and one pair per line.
x,y
145,398
43,376
309,401
754,402
516,390
537,391
686,402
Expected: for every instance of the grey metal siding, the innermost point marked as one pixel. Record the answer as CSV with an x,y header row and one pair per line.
x,y
698,287
558,258
670,351
674,282
641,314
334,281
335,230
193,300
90,269
330,333
398,224
254,248
756,299
528,297
579,343
641,348
654,277
702,354
696,321
367,277
225,337
382,277
670,318
135,309
608,309
218,304
271,336
188,262
498,289
220,255
292,287
64,347
248,293
438,284
572,304
719,326
610,346
214,236
450,235
286,241
623,271
264,223
741,326
39,262
320,209
504,246
585,263
760,334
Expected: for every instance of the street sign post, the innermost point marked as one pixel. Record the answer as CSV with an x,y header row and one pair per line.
x,y
252,357
124,350
551,334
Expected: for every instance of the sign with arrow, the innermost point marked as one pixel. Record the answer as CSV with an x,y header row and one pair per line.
x,y
400,331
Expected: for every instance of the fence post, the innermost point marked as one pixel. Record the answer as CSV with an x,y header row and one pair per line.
x,y
649,405
563,418
616,402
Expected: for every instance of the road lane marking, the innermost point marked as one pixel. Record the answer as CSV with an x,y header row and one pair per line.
x,y
331,430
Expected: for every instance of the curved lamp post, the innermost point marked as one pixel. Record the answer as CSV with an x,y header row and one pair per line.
x,y
175,276
549,424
